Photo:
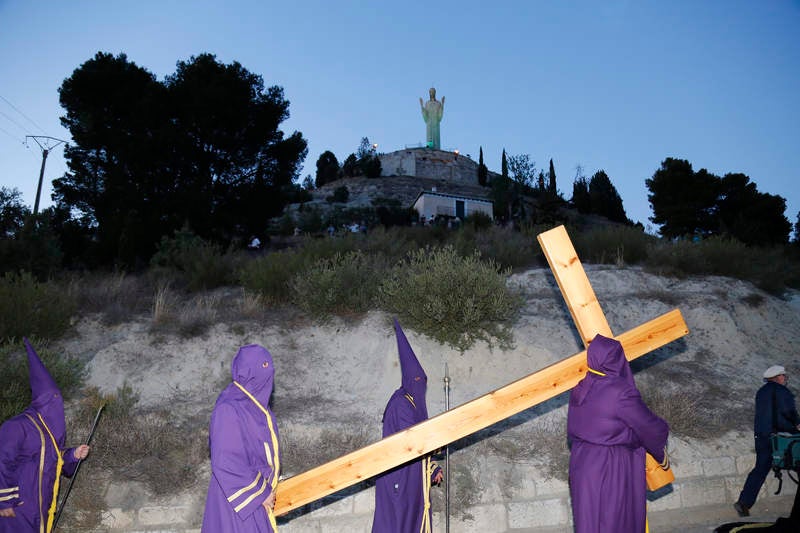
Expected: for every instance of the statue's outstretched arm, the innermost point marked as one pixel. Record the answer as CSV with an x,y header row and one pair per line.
x,y
421,103
442,102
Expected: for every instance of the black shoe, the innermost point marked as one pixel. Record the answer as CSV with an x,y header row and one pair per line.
x,y
741,510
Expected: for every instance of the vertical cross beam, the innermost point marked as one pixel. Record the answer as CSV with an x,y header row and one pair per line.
x,y
574,285
495,406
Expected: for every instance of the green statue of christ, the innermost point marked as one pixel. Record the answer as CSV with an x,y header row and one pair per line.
x,y
432,112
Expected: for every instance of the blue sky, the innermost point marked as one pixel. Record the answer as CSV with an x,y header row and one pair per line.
x,y
612,85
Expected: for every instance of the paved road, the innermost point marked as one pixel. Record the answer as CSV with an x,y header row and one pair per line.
x,y
699,519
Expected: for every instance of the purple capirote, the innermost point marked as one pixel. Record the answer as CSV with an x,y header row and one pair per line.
x,y
401,494
244,456
610,428
30,444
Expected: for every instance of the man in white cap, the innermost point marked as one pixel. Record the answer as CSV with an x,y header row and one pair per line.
x,y
775,412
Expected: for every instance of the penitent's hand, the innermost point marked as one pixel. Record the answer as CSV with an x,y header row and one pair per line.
x,y
269,503
81,452
438,477
7,513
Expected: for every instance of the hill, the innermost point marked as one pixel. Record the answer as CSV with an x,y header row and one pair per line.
x,y
333,379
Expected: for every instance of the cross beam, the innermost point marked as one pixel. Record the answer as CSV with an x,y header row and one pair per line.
x,y
495,406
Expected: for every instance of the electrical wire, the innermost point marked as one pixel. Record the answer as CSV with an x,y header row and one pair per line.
x,y
15,108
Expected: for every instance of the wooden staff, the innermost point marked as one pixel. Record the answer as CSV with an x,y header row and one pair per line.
x,y
77,467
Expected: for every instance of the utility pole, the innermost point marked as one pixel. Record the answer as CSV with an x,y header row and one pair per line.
x,y
46,144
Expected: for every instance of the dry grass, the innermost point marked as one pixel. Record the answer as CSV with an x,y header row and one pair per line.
x,y
300,451
689,413
252,304
190,316
117,296
145,445
543,442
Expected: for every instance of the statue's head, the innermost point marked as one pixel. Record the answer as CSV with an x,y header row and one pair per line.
x,y
432,92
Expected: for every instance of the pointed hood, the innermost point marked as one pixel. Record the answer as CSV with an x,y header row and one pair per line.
x,y
605,356
254,370
414,380
46,397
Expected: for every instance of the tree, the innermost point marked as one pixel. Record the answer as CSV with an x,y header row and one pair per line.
x,y
699,203
350,166
797,230
483,172
202,148
604,199
327,168
580,193
308,183
752,217
683,201
523,169
501,187
12,212
368,160
551,186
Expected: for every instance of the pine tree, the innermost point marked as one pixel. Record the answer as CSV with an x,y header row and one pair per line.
x,y
504,165
552,184
483,172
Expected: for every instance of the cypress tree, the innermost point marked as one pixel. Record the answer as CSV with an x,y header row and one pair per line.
x,y
483,172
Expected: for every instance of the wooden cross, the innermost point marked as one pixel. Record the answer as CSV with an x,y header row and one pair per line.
x,y
495,406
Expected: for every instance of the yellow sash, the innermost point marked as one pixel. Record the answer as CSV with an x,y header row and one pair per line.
x,y
276,461
59,464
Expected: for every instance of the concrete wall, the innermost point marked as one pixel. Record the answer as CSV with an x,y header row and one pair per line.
x,y
428,163
431,205
512,497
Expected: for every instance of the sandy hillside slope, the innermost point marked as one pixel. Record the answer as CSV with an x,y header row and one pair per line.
x,y
333,379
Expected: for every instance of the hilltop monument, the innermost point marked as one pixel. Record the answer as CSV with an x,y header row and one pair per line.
x,y
432,112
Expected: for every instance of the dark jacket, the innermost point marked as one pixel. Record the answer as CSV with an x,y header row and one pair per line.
x,y
785,417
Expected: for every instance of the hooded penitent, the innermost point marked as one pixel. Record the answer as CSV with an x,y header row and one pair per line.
x,y
610,428
32,457
402,503
243,439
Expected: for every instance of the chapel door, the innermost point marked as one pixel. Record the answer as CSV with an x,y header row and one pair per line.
x,y
460,209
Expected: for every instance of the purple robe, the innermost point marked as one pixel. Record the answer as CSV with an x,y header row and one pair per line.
x,y
31,444
243,439
402,503
610,428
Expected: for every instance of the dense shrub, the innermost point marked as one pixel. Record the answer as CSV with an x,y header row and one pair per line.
x,y
197,263
35,248
769,268
621,245
393,243
455,300
478,221
309,220
32,308
344,284
270,275
340,194
15,392
508,248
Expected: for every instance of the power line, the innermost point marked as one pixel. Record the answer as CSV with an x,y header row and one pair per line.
x,y
15,108
11,135
17,124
